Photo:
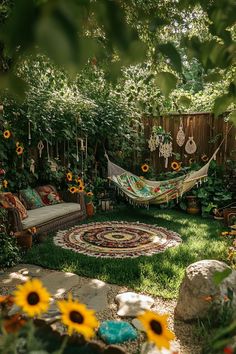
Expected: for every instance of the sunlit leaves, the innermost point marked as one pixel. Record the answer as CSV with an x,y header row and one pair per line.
x,y
222,103
169,50
184,101
166,82
232,117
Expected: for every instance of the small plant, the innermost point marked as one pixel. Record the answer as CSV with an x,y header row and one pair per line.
x,y
9,251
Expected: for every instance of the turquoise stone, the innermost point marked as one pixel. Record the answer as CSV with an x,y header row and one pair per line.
x,y
114,332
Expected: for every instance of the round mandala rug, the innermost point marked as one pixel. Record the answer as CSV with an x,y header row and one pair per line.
x,y
117,239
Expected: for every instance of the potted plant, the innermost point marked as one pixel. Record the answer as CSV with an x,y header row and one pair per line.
x,y
89,204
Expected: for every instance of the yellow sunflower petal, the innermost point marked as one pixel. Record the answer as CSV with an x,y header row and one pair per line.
x,y
32,297
156,328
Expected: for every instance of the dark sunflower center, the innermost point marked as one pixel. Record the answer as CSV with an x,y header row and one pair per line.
x,y
33,298
156,327
76,317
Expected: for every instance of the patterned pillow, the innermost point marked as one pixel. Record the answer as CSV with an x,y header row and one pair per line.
x,y
49,195
8,200
31,198
4,201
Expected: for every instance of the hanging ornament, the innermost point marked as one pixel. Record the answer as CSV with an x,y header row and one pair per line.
x,y
165,150
29,132
57,150
40,148
86,147
82,148
48,153
180,138
152,143
191,146
32,166
22,162
53,166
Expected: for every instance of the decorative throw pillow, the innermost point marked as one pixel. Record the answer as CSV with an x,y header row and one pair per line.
x,y
49,195
31,198
4,200
8,200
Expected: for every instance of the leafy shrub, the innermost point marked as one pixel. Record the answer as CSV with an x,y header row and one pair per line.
x,y
9,252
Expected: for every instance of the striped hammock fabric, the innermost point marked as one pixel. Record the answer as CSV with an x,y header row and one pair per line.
x,y
140,191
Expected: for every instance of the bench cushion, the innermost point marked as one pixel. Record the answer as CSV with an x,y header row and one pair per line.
x,y
45,214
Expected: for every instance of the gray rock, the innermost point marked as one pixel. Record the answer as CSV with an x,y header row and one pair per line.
x,y
198,290
93,294
137,324
131,304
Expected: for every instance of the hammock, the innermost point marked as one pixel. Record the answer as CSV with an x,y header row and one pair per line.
x,y
140,191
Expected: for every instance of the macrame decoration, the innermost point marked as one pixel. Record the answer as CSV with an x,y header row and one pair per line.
x,y
191,146
40,148
163,140
180,138
165,150
152,143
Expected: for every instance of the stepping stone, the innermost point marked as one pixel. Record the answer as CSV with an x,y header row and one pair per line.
x,y
20,274
131,304
137,324
114,332
93,295
59,283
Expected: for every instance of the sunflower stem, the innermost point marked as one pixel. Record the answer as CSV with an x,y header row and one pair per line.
x,y
63,346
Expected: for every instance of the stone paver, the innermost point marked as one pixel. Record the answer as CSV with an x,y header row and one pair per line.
x,y
93,294
59,283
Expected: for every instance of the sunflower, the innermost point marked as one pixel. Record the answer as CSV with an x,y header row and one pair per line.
x,y
13,323
17,144
90,194
145,167
73,189
69,176
77,317
204,158
81,188
156,329
19,150
6,134
175,166
5,183
78,179
32,297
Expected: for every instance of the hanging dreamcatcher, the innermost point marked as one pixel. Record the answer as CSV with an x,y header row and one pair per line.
x,y
180,137
191,146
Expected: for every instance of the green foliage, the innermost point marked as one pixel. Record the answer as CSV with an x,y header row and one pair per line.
x,y
9,252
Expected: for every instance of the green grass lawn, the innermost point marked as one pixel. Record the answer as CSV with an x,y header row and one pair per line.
x,y
160,274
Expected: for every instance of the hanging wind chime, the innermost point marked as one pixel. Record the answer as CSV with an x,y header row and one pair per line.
x,y
191,146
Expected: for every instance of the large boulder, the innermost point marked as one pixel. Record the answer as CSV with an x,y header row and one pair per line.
x,y
198,292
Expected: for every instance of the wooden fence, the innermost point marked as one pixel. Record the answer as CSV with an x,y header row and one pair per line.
x,y
208,132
